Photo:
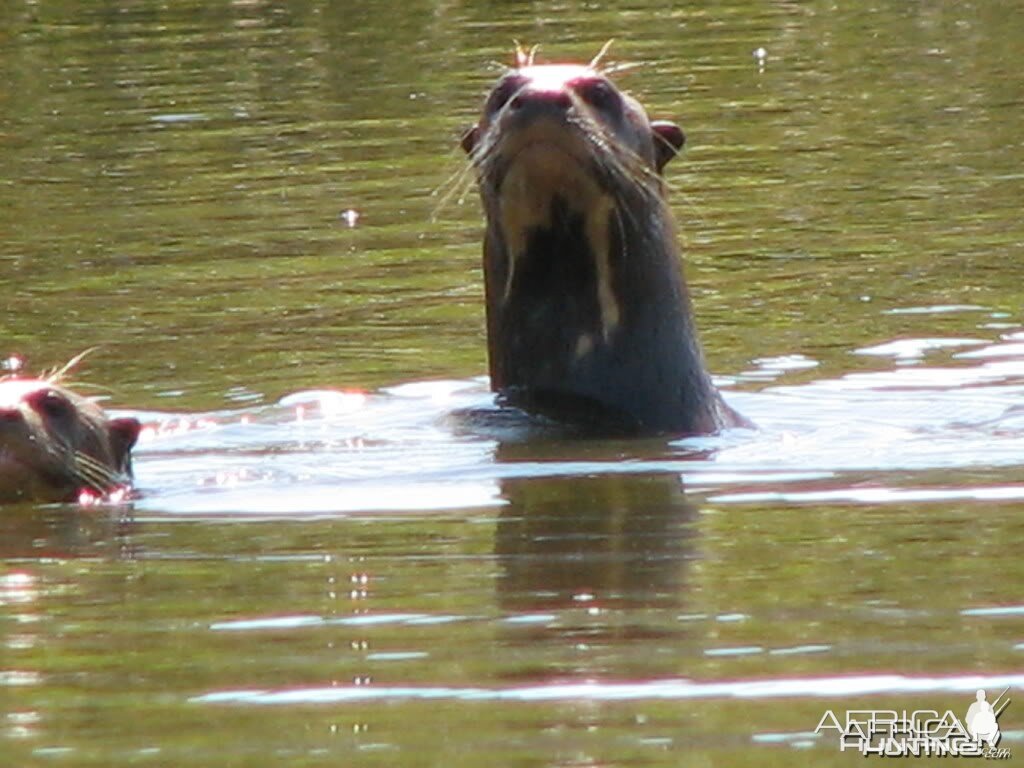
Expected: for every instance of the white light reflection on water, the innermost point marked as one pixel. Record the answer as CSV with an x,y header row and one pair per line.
x,y
327,452
823,687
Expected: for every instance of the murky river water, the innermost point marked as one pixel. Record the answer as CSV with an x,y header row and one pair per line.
x,y
255,210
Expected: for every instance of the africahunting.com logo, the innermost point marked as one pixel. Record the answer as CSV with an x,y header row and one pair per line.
x,y
922,732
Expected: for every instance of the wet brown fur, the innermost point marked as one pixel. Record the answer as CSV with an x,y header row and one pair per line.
x,y
56,444
588,312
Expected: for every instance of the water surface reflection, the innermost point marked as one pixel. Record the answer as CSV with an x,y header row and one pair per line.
x,y
594,542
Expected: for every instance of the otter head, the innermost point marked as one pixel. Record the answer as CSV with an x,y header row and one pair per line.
x,y
55,444
580,95
587,313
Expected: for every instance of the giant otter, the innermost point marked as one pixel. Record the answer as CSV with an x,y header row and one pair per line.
x,y
588,315
56,445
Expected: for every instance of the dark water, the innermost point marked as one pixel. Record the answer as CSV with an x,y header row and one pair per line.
x,y
322,571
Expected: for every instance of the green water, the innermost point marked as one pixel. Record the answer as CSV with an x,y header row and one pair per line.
x,y
365,586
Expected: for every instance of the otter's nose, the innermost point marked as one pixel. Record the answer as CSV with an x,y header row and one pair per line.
x,y
541,98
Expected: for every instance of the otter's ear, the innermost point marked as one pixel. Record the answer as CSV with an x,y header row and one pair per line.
x,y
668,140
470,138
123,434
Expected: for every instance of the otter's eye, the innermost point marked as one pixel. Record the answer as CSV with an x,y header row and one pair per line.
x,y
51,404
504,91
600,95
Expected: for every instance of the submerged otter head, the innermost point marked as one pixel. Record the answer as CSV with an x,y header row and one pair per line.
x,y
55,445
588,316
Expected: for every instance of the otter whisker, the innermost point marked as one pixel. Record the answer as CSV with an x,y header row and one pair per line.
x,y
92,463
621,228
623,209
499,65
629,166
56,375
596,61
456,185
623,67
81,477
525,57
57,449
94,474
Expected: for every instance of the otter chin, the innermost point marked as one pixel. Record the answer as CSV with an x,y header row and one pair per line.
x,y
589,320
56,445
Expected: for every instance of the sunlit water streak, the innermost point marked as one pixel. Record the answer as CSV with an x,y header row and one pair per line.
x,y
609,691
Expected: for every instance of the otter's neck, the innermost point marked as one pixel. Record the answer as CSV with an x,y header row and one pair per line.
x,y
589,319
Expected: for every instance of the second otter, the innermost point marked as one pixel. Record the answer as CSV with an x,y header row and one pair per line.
x,y
588,315
56,445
